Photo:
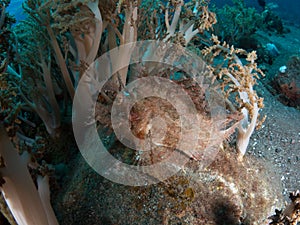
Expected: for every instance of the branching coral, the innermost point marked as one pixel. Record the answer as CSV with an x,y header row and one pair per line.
x,y
36,81
128,36
84,22
239,79
37,37
69,35
27,205
80,25
290,215
41,13
121,23
197,19
236,22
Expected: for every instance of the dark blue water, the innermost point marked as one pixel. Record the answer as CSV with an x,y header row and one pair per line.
x,y
287,9
15,8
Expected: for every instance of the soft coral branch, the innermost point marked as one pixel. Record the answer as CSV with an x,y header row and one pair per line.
x,y
44,103
18,188
238,78
188,27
